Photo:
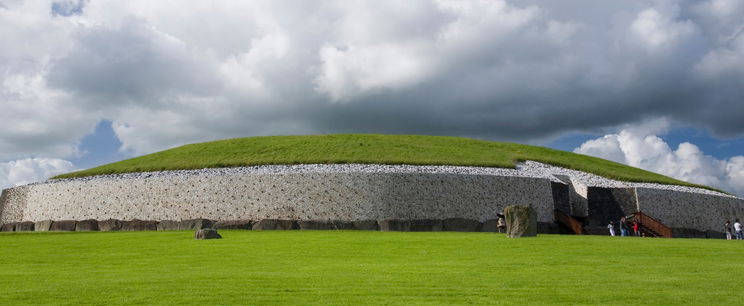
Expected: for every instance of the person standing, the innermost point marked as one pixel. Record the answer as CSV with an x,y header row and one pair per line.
x,y
727,229
623,227
611,227
636,228
737,229
501,225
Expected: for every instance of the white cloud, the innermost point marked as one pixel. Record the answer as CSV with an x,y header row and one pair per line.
x,y
30,170
639,147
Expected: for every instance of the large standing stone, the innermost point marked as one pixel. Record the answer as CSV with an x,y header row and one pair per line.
x,y
521,221
233,224
207,233
26,226
365,225
394,225
109,225
461,225
86,225
275,224
43,226
63,226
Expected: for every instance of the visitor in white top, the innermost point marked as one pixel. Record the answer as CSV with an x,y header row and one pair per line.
x,y
737,229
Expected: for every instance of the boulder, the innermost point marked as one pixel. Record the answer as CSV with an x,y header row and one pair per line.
x,y
365,225
233,224
275,224
426,225
86,225
63,226
26,226
394,225
139,225
195,224
7,227
43,226
109,225
461,225
490,225
207,233
168,225
521,221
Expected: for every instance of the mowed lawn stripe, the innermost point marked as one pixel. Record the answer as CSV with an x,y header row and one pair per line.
x,y
357,267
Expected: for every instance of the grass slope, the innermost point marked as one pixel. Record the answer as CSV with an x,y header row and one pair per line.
x,y
346,267
368,149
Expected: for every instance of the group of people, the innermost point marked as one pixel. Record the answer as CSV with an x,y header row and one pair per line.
x,y
624,226
737,230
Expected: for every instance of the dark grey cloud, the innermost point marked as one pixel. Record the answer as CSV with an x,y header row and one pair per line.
x,y
503,70
68,8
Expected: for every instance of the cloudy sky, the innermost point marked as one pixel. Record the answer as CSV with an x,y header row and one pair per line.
x,y
653,84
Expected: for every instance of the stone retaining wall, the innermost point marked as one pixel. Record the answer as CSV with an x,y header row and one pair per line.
x,y
686,210
292,196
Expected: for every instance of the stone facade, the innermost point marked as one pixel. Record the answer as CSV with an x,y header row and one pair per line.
x,y
687,210
293,196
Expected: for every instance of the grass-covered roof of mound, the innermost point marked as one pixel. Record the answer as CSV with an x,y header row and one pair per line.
x,y
368,149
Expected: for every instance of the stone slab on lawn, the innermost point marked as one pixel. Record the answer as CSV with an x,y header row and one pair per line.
x,y
427,225
521,221
109,225
86,225
396,225
63,226
275,224
26,226
139,225
461,225
206,233
365,225
234,224
43,226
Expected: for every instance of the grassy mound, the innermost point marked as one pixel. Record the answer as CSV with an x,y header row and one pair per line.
x,y
355,268
368,149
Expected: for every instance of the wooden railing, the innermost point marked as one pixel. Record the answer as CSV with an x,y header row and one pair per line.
x,y
574,225
652,225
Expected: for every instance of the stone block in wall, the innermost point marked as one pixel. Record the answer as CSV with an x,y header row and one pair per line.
x,y
26,226
365,225
43,226
168,225
8,227
687,233
561,197
234,224
711,234
86,225
195,224
315,224
139,225
394,225
109,225
426,225
490,226
547,228
275,224
521,221
461,225
63,226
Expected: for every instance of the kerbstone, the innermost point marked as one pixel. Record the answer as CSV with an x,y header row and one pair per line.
x,y
275,224
365,225
86,225
26,226
234,224
427,225
43,226
461,225
63,226
139,225
394,225
109,225
521,221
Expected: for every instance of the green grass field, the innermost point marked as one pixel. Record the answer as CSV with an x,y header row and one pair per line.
x,y
356,267
370,149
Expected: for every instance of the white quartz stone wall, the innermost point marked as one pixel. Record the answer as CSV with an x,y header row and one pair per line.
x,y
689,210
303,196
